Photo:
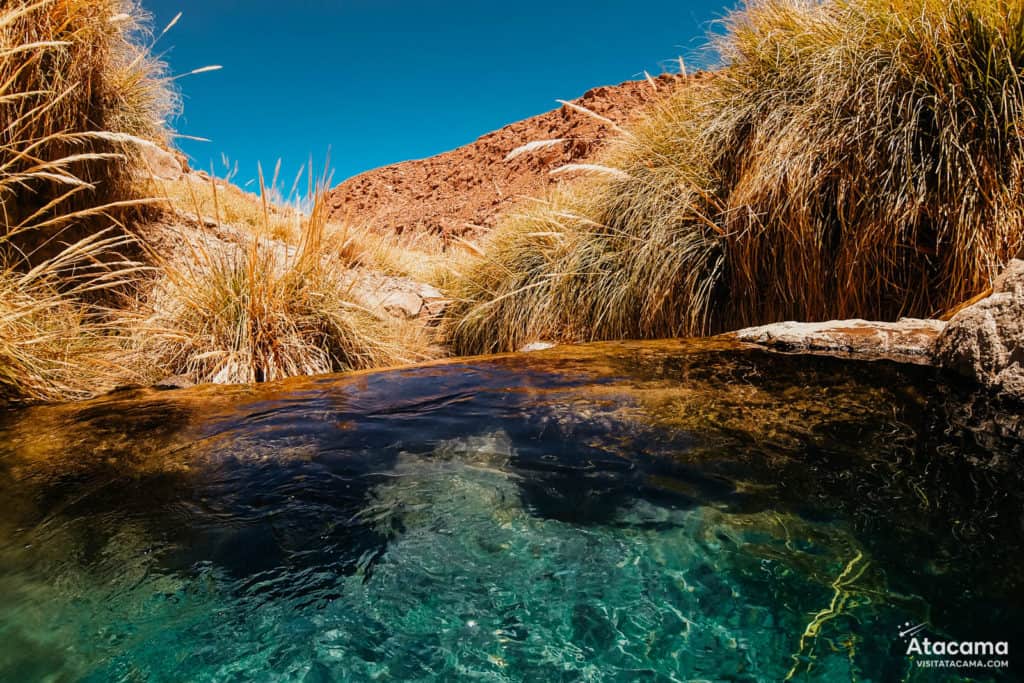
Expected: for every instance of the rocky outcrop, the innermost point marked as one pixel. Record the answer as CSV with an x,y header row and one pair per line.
x,y
463,191
985,341
909,340
400,296
160,164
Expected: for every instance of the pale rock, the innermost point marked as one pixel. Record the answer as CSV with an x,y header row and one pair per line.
x,y
428,291
909,340
161,164
402,303
985,341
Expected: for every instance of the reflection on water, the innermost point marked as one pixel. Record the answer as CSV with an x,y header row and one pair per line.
x,y
616,512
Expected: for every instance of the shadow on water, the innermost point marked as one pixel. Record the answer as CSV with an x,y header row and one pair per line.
x,y
776,469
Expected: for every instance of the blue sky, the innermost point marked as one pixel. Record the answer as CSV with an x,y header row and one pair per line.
x,y
380,81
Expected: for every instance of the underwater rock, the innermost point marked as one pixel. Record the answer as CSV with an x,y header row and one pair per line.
x,y
909,340
985,341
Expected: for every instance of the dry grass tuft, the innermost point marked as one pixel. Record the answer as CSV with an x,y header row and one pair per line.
x,y
853,158
220,199
418,256
78,95
81,99
55,343
283,218
78,92
237,314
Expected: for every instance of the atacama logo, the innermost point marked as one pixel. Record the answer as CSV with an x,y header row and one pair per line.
x,y
952,654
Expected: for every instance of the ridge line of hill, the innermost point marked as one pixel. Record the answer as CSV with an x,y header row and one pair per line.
x,y
462,192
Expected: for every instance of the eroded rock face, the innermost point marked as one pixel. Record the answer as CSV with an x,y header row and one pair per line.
x,y
909,340
985,341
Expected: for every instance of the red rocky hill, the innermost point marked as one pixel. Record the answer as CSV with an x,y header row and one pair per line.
x,y
463,191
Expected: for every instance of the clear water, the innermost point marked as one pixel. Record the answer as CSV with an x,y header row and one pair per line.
x,y
625,512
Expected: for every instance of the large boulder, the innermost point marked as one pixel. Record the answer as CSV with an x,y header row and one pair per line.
x,y
985,341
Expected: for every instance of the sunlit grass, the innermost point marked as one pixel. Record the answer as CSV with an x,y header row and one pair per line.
x,y
83,98
235,313
79,94
56,343
852,158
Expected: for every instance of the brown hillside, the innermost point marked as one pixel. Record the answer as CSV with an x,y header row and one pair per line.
x,y
463,191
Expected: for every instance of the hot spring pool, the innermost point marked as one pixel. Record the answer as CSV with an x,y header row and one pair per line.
x,y
684,511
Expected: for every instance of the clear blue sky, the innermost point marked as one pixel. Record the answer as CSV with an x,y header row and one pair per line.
x,y
380,81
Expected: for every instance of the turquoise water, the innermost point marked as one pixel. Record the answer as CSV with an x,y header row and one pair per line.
x,y
625,512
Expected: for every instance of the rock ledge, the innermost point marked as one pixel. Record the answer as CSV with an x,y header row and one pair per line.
x,y
909,340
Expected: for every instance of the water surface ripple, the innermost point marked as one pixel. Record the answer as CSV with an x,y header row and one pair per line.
x,y
669,511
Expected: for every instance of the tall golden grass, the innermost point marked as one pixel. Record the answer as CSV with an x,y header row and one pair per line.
x,y
221,198
851,158
283,217
78,94
56,342
81,98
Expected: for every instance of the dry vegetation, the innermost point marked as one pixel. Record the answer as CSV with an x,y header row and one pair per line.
x,y
420,256
218,198
251,313
851,158
54,343
78,95
85,302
